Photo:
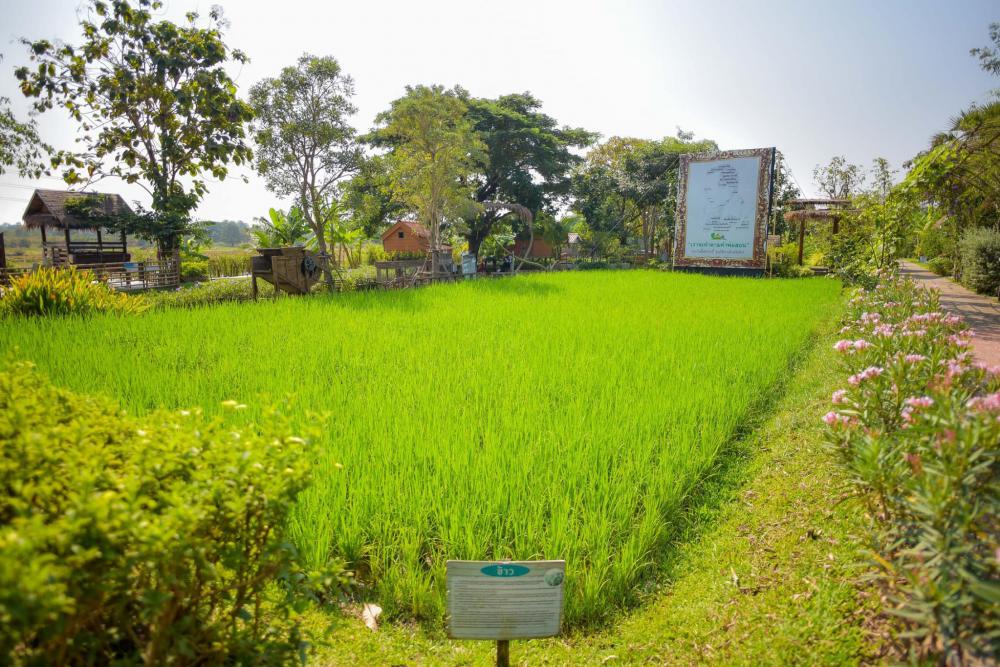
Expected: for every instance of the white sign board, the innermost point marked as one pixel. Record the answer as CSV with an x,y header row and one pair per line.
x,y
722,208
505,600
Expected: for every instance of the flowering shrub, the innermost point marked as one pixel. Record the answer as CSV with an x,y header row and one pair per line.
x,y
51,291
917,427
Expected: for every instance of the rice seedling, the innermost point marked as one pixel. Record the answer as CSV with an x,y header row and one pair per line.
x,y
551,416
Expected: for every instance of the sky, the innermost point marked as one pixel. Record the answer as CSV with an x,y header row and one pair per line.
x,y
858,78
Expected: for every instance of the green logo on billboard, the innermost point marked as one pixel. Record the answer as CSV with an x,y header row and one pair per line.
x,y
718,237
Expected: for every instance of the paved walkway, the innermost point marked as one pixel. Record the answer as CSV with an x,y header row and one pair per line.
x,y
982,313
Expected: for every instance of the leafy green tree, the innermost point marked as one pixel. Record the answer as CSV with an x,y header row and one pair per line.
x,y
436,152
306,147
527,161
627,187
20,145
154,101
989,56
839,179
370,195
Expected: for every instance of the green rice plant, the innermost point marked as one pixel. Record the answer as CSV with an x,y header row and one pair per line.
x,y
562,415
228,265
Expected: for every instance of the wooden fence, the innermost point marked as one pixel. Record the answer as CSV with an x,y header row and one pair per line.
x,y
122,276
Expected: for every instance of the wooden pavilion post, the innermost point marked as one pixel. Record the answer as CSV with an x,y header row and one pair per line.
x,y
68,255
45,249
802,238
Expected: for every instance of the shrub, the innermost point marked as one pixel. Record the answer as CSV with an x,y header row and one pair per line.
x,y
943,266
52,291
194,269
979,252
917,430
125,541
203,294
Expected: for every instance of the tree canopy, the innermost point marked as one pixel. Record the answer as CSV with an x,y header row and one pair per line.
x,y
435,153
306,146
153,99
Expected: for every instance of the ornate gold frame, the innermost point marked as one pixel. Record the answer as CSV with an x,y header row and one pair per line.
x,y
763,210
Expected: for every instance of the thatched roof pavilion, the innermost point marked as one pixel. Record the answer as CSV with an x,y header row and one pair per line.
x,y
805,210
48,209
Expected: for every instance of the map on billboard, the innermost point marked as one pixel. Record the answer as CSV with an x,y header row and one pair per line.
x,y
723,204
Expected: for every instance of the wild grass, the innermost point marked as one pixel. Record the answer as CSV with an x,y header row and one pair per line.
x,y
552,416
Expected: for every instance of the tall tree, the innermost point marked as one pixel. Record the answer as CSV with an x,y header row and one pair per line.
x,y
154,101
527,161
839,179
436,151
306,146
627,187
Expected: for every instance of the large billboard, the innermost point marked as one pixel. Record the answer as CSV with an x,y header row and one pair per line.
x,y
723,204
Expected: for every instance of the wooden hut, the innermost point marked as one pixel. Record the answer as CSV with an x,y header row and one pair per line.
x,y
540,249
408,236
48,211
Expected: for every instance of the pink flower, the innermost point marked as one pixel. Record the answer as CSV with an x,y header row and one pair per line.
x,y
958,340
861,344
919,333
914,358
839,397
988,403
952,319
842,345
989,370
883,330
919,402
830,418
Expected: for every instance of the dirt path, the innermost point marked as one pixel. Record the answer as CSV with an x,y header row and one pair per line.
x,y
981,312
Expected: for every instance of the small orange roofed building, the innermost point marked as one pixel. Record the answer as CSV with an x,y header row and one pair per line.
x,y
407,236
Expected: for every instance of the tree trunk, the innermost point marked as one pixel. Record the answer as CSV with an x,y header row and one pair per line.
x,y
321,242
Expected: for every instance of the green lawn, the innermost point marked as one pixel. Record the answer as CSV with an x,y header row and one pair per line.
x,y
556,416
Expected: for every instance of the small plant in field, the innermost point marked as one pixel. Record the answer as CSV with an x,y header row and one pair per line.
x,y
918,429
56,291
153,541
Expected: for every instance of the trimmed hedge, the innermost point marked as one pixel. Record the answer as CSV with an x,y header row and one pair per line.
x,y
152,541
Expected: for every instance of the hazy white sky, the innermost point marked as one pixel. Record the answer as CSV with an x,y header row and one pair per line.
x,y
859,78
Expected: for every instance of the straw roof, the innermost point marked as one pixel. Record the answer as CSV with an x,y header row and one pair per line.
x,y
47,208
817,213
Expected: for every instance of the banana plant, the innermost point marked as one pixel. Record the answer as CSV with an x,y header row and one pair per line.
x,y
281,229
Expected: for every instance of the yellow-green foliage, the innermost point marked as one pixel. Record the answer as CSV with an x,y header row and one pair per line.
x,y
146,541
52,291
553,416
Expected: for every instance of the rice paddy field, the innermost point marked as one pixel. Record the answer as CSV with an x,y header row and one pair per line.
x,y
552,416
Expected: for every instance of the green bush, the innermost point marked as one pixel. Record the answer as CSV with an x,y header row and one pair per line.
x,y
51,291
194,269
979,252
157,540
943,266
207,293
